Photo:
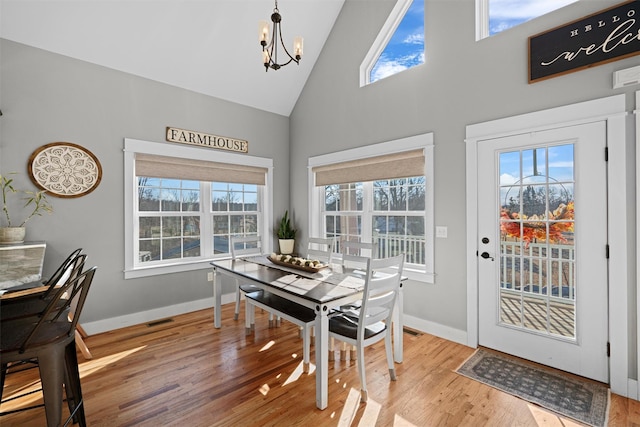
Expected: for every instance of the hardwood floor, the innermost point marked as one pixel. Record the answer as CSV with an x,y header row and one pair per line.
x,y
184,372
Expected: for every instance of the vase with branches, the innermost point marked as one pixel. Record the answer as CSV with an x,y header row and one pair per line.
x,y
35,204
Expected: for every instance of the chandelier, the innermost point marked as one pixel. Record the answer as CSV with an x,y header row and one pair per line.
x,y
270,47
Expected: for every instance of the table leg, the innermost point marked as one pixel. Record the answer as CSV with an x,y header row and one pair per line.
x,y
322,357
398,328
217,299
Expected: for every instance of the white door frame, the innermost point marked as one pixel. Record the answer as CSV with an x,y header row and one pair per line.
x,y
637,144
611,110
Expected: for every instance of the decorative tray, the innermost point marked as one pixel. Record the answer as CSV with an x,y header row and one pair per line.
x,y
313,269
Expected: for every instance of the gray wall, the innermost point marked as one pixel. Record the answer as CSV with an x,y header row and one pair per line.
x,y
462,82
47,97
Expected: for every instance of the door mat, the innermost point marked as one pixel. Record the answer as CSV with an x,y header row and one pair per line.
x,y
583,400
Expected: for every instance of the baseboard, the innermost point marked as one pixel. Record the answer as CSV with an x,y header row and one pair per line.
x,y
632,389
112,323
442,331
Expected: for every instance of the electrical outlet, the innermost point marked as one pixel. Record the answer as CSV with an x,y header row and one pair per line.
x,y
210,276
441,232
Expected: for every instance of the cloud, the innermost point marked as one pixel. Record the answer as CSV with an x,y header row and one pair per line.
x,y
415,38
561,164
507,179
385,69
387,66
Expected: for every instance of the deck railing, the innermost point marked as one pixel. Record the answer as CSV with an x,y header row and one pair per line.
x,y
538,269
391,245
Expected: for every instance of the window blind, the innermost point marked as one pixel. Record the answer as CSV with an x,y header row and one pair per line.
x,y
389,166
200,170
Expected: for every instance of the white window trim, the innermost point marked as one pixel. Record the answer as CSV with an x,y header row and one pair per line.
x,y
133,146
381,41
482,19
424,141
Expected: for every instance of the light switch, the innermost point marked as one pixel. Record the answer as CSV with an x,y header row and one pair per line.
x,y
441,232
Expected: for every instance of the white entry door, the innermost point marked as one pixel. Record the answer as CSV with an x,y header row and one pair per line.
x,y
542,230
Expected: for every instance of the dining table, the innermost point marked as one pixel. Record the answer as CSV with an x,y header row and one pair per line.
x,y
323,290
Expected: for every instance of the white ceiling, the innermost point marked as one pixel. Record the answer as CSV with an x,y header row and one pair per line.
x,y
207,46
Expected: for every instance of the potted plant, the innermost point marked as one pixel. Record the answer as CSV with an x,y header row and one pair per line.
x,y
36,204
286,235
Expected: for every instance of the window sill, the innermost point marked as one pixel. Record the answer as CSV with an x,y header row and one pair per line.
x,y
155,270
418,275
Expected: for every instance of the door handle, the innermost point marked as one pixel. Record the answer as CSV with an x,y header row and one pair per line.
x,y
486,255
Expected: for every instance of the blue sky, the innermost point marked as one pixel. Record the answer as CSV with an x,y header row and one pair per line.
x,y
406,47
504,14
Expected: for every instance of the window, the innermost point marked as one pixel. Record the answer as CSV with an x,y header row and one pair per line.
x,y
495,16
382,193
182,208
168,219
396,221
399,45
236,212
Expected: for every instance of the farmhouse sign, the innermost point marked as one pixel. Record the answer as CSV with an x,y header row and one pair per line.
x,y
606,36
205,140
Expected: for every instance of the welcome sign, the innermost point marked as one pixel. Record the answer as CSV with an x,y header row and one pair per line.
x,y
606,36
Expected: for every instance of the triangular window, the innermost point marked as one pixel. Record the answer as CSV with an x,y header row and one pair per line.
x,y
399,45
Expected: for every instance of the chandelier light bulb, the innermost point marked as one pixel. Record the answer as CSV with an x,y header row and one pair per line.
x,y
264,33
297,47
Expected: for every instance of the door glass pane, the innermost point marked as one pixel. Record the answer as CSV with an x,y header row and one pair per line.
x,y
537,252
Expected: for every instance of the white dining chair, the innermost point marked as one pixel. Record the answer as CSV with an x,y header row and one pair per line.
x,y
371,322
321,249
354,256
244,246
247,246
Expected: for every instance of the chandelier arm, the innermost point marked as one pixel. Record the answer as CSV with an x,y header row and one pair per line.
x,y
291,58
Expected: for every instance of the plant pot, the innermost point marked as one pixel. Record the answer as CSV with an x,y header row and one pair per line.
x,y
12,234
286,246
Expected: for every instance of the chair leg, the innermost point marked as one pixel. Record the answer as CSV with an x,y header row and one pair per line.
x,y
237,312
343,351
73,387
361,373
389,349
332,352
248,316
52,367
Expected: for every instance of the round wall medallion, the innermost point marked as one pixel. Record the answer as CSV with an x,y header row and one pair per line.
x,y
64,169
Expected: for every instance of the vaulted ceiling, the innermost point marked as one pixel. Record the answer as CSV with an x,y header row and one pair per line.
x,y
207,46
